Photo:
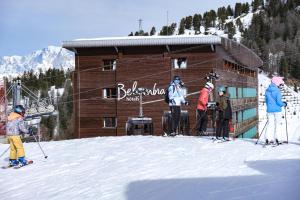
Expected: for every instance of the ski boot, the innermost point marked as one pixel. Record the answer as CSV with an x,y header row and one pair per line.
x,y
13,162
22,162
267,142
173,134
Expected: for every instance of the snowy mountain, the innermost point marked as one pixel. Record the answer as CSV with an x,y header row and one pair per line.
x,y
50,57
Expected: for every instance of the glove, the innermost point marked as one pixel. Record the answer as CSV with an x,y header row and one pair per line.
x,y
30,131
186,103
173,102
285,104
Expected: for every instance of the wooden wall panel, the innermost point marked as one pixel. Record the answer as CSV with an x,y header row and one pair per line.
x,y
147,66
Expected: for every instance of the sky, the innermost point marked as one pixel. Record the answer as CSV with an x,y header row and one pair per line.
x,y
29,25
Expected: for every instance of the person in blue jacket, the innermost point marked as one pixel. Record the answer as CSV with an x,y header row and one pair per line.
x,y
176,99
274,104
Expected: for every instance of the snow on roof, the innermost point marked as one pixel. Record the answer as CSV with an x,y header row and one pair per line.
x,y
142,41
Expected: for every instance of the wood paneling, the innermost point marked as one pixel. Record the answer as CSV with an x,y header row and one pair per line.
x,y
147,66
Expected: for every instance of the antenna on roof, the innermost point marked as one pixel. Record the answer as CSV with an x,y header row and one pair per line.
x,y
140,25
167,22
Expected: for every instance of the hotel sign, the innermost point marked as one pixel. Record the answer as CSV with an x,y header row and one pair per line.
x,y
130,94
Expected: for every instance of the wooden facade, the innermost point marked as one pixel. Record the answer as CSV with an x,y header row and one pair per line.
x,y
104,72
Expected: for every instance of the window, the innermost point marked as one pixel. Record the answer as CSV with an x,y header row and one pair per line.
x,y
179,63
109,93
109,122
109,65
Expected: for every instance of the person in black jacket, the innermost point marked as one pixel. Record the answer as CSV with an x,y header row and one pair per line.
x,y
224,116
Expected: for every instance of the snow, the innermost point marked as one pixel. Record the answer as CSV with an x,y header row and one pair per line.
x,y
158,168
150,167
191,33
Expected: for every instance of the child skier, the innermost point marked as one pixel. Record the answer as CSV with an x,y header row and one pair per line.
x,y
15,126
224,116
274,104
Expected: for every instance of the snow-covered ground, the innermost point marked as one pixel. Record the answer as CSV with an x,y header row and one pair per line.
x,y
154,168
158,168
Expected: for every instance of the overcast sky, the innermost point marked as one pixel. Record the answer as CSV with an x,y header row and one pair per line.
x,y
29,25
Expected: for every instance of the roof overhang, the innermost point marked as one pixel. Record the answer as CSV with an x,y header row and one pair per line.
x,y
142,41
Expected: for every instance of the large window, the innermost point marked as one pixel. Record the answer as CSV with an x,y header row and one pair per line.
x,y
109,65
179,63
109,93
109,122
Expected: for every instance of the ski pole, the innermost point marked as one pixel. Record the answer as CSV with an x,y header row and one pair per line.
x,y
286,130
262,131
45,156
4,152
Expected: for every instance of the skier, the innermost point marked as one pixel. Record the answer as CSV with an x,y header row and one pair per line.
x,y
176,99
15,126
224,114
202,108
274,104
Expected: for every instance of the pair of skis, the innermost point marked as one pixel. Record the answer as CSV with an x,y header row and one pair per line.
x,y
272,145
215,140
29,162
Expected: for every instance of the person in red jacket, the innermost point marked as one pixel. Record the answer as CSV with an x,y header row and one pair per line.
x,y
202,108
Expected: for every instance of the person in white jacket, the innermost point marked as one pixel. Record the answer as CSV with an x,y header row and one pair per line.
x,y
176,99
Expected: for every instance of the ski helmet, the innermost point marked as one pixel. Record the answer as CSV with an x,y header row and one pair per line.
x,y
222,89
209,85
19,109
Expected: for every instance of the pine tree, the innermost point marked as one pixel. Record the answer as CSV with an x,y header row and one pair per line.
x,y
222,14
230,30
229,11
172,28
181,26
197,22
239,25
255,5
130,34
213,16
237,9
168,30
245,8
188,22
65,107
283,69
153,31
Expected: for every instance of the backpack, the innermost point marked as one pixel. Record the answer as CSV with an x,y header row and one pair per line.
x,y
167,99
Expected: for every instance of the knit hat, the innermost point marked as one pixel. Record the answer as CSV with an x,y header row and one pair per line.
x,y
277,80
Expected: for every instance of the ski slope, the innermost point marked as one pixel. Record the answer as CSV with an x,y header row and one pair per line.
x,y
154,168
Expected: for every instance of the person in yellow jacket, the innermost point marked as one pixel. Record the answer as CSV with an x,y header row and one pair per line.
x,y
14,127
